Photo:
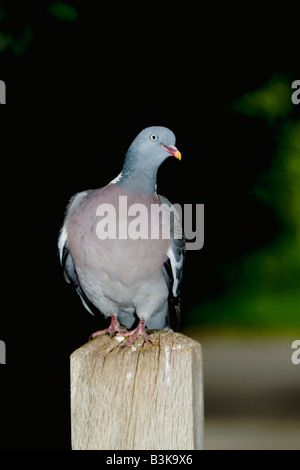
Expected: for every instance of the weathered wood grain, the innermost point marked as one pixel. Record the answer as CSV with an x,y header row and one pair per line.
x,y
147,396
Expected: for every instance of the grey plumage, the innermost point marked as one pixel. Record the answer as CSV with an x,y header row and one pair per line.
x,y
127,277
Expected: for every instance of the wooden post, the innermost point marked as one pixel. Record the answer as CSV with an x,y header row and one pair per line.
x,y
147,396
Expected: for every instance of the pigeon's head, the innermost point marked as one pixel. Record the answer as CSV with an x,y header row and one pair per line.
x,y
144,156
153,145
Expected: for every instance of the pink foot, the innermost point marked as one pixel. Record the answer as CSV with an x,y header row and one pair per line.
x,y
138,331
113,328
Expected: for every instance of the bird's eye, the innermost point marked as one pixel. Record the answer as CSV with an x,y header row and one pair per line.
x,y
153,137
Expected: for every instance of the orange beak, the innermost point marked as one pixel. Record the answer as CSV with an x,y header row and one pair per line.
x,y
172,150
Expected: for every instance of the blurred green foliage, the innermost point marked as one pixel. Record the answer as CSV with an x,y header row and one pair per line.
x,y
271,101
16,35
18,44
265,290
63,11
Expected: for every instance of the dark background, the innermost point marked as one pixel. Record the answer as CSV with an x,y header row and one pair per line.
x,y
81,82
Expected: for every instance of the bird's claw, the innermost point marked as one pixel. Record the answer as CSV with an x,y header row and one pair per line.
x,y
133,334
113,329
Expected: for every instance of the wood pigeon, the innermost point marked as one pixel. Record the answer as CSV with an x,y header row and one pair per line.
x,y
123,264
